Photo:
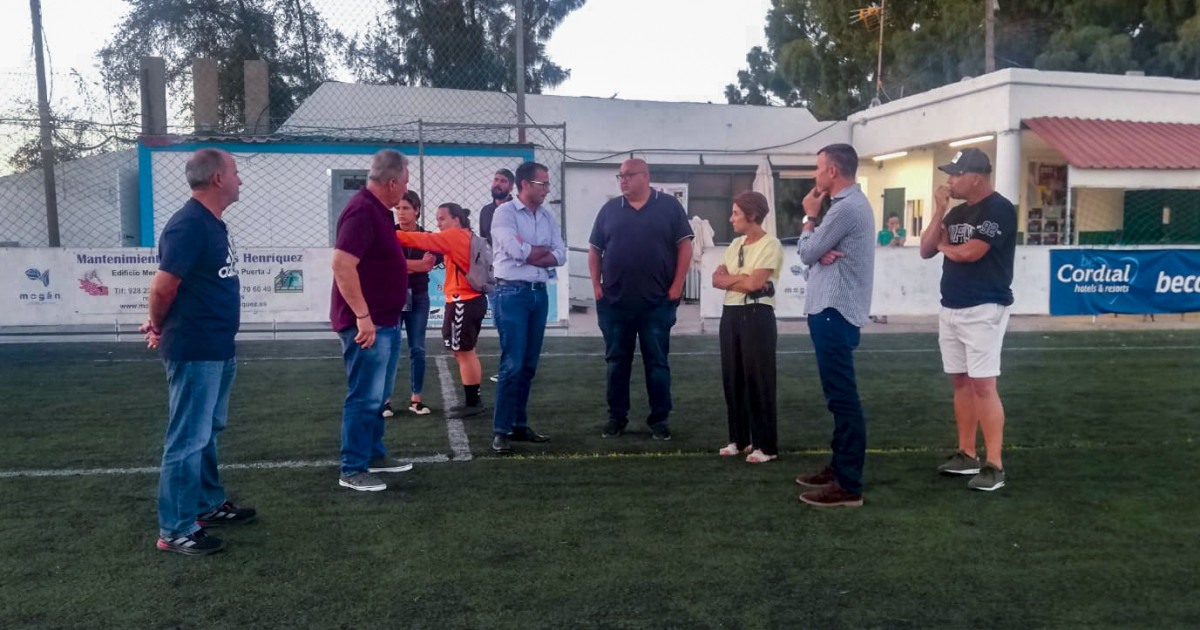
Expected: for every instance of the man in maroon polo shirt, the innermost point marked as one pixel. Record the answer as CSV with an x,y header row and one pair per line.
x,y
370,279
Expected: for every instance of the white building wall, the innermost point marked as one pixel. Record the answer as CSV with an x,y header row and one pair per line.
x,y
285,196
89,203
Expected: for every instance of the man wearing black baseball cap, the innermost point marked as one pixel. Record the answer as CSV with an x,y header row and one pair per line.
x,y
978,240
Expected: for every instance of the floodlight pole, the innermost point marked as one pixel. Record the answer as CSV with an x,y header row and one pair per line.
x,y
519,30
879,62
989,36
35,11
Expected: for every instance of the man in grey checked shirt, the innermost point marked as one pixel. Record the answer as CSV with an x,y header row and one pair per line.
x,y
841,255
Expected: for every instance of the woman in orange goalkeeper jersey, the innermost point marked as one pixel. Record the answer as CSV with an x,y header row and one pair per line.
x,y
465,307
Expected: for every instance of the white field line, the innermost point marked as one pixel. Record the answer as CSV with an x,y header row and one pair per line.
x,y
712,353
437,459
145,470
459,444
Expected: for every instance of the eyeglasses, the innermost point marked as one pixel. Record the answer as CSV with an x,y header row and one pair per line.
x,y
628,176
542,184
741,256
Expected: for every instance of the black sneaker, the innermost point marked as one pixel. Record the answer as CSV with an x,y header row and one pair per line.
x,y
525,434
228,513
614,428
660,432
418,408
464,411
387,410
198,543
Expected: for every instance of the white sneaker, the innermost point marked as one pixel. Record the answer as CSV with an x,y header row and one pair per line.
x,y
495,378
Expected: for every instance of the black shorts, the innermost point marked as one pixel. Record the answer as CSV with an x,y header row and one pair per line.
x,y
461,322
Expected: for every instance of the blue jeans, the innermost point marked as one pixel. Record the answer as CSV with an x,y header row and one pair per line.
x,y
370,375
414,322
198,408
520,317
834,340
622,328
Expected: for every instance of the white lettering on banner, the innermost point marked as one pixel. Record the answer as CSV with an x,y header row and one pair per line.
x,y
1103,273
1176,284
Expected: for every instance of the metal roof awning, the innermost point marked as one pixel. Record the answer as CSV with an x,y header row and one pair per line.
x,y
1123,153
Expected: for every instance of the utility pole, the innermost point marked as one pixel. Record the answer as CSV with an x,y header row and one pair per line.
x,y
989,30
35,11
877,101
519,29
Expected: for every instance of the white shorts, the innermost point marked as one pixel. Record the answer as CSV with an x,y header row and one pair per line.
x,y
971,339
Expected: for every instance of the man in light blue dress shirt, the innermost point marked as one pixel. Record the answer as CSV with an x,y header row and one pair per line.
x,y
527,246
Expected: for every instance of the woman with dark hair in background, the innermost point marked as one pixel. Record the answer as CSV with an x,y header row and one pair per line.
x,y
415,315
748,332
465,307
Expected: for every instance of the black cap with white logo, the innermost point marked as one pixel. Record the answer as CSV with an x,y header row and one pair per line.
x,y
968,161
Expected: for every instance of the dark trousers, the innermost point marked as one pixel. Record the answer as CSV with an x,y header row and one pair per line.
x,y
519,312
748,335
622,329
834,340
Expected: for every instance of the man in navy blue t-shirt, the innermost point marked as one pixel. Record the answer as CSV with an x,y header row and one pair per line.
x,y
195,307
641,248
978,240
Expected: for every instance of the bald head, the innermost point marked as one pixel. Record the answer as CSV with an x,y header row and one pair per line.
x,y
634,177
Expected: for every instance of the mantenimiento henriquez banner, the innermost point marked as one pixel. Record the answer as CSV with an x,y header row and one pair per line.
x,y
1093,281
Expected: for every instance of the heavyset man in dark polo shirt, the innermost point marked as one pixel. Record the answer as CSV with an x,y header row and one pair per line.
x,y
370,279
641,247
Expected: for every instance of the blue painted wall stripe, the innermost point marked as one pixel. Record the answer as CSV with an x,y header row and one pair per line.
x,y
145,197
440,150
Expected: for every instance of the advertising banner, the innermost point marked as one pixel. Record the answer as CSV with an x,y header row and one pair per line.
x,y
66,287
1094,281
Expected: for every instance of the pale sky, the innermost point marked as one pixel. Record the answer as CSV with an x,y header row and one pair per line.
x,y
669,50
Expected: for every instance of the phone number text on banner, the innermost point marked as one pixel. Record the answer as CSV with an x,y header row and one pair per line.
x,y
1140,281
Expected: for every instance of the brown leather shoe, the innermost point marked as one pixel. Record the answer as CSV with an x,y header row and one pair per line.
x,y
818,480
832,496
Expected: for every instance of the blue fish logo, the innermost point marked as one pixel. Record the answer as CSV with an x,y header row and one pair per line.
x,y
39,276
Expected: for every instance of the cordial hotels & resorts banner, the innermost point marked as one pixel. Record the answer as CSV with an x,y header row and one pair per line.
x,y
1140,281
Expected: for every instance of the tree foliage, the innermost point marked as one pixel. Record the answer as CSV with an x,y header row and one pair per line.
x,y
464,44
74,131
290,35
818,57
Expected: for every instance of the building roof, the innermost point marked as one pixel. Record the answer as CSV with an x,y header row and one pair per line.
x,y
1121,144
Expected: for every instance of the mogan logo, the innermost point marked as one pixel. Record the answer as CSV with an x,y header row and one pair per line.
x,y
39,276
49,296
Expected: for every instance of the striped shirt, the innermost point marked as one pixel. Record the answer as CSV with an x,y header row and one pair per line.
x,y
848,227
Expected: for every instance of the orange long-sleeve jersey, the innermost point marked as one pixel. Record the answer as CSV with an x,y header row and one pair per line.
x,y
455,244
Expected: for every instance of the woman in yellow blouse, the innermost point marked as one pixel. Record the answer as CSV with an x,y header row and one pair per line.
x,y
748,332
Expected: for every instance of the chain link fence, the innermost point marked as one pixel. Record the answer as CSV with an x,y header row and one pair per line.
x,y
436,81
1118,217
